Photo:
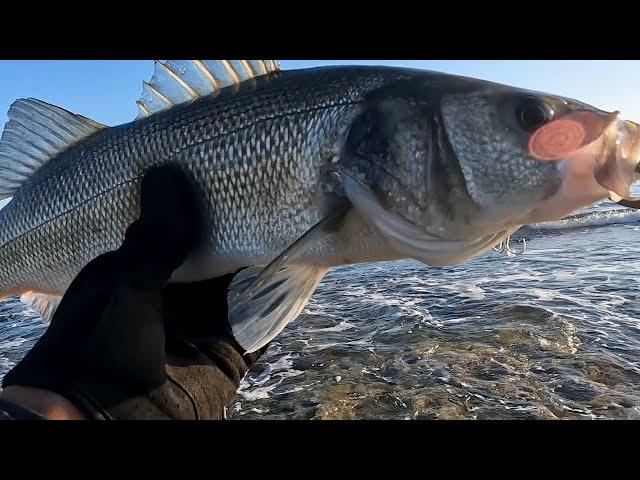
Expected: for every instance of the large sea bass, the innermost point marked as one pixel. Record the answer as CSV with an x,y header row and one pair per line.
x,y
302,171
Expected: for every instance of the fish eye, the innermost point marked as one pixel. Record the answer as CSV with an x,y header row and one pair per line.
x,y
532,113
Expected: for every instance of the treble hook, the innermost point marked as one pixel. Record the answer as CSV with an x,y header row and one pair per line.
x,y
505,247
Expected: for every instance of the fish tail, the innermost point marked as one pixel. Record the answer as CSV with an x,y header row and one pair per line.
x,y
35,133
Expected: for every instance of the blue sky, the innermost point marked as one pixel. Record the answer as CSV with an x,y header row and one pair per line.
x,y
106,90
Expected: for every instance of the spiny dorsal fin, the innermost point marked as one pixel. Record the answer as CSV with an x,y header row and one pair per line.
x,y
36,132
178,81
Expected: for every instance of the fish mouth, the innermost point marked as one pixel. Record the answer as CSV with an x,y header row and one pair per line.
x,y
620,161
604,167
589,142
627,200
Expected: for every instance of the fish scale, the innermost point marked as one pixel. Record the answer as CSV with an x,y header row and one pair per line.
x,y
256,152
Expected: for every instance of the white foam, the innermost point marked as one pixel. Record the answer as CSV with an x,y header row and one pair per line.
x,y
465,290
16,342
542,294
473,292
5,364
593,219
341,327
256,388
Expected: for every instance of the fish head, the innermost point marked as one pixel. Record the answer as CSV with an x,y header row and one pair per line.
x,y
454,164
532,157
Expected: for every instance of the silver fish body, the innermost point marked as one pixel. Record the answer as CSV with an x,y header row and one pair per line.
x,y
260,154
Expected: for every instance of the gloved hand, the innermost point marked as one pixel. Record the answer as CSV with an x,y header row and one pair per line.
x,y
123,344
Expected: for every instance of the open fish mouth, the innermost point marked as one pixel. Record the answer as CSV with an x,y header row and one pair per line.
x,y
603,161
618,167
621,166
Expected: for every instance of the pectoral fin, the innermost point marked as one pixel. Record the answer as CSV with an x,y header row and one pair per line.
x,y
262,301
410,239
259,318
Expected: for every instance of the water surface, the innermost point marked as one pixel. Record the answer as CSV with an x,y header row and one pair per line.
x,y
553,332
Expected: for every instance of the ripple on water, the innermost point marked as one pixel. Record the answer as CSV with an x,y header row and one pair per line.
x,y
553,333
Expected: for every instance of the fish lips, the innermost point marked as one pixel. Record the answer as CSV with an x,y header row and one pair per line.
x,y
619,165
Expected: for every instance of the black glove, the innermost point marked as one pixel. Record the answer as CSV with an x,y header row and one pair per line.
x,y
123,344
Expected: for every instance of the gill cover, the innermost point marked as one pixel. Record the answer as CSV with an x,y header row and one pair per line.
x,y
411,240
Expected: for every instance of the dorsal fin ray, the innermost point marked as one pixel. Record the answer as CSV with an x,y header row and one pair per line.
x,y
36,132
179,81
